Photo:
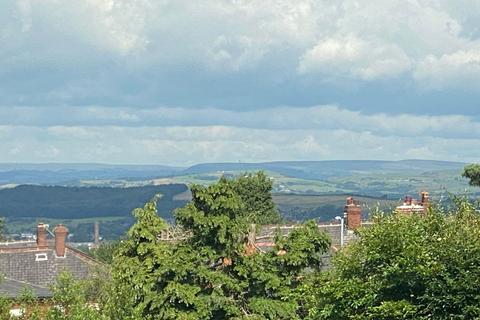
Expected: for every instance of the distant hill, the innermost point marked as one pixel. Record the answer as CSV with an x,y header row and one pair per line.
x,y
367,177
391,179
79,194
72,174
318,170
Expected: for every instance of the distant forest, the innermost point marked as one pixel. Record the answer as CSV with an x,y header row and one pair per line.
x,y
78,207
84,202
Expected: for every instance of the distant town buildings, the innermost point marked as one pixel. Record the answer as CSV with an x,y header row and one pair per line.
x,y
411,206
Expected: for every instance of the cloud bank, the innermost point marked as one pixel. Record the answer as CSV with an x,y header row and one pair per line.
x,y
181,136
177,81
150,52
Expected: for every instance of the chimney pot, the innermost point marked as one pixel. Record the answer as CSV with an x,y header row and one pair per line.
x,y
408,200
425,198
96,234
42,236
61,233
354,214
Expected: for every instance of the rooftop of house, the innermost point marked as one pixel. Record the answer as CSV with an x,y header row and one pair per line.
x,y
38,263
10,288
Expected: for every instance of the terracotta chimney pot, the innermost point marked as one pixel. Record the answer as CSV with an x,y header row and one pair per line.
x,y
61,233
354,214
42,236
425,198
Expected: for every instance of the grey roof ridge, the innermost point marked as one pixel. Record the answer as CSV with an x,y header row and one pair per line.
x,y
24,282
47,292
79,253
85,256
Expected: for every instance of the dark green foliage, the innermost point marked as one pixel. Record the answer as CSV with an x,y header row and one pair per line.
x,y
472,172
304,249
406,267
209,275
84,202
26,301
255,192
30,305
217,217
105,251
5,306
73,300
25,206
2,229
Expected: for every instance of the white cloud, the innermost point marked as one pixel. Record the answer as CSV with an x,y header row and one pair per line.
x,y
205,144
278,118
459,69
100,47
385,39
354,57
421,152
181,136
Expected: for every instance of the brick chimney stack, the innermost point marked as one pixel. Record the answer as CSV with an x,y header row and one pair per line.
x,y
42,236
354,214
96,234
408,200
61,233
425,199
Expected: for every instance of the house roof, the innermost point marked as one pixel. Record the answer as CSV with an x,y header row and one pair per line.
x,y
25,262
10,288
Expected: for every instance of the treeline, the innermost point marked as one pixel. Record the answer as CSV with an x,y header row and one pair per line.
x,y
85,202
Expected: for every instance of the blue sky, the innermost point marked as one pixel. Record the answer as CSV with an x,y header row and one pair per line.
x,y
181,82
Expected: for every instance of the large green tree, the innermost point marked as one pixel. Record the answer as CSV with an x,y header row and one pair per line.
x,y
255,190
472,172
73,300
105,251
406,267
212,274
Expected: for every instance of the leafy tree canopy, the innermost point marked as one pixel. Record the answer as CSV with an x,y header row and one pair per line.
x,y
2,229
406,267
255,190
105,251
472,172
212,275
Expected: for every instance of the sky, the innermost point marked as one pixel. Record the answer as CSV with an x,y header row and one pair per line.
x,y
180,82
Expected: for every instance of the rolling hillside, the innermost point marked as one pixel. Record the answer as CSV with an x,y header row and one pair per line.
x,y
391,179
72,174
79,194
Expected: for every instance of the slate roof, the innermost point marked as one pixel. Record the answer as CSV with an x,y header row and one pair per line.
x,y
264,240
25,262
10,288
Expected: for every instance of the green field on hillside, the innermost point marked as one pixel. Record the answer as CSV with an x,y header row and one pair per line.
x,y
302,189
390,185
